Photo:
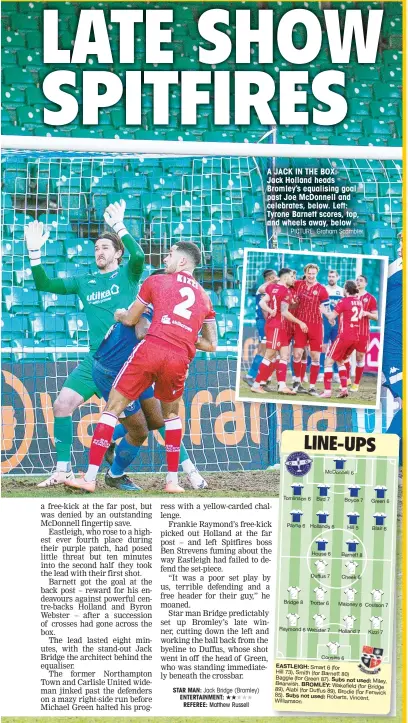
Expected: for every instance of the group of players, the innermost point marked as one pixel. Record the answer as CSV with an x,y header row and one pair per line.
x,y
142,342
304,318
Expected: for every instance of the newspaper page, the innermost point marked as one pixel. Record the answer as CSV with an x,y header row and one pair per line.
x,y
201,339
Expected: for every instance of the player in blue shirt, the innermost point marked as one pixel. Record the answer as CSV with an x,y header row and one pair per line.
x,y
330,331
392,353
269,276
141,416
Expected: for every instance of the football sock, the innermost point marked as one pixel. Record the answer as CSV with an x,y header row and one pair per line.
x,y
328,378
185,460
281,373
101,440
173,438
359,372
343,376
348,368
274,367
303,367
297,369
253,371
314,373
119,432
322,358
125,454
63,436
264,372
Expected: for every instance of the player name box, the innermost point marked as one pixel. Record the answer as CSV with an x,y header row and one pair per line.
x,y
336,573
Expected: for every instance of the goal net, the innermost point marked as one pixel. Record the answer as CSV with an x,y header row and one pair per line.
x,y
216,201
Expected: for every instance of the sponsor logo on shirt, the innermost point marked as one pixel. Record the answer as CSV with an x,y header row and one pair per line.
x,y
101,296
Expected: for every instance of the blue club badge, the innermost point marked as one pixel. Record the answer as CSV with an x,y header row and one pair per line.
x,y
298,464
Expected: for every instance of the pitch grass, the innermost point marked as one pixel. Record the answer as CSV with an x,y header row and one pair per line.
x,y
220,484
365,396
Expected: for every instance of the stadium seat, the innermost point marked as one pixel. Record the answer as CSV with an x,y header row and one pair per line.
x,y
252,231
77,327
386,91
18,77
231,298
79,248
58,304
47,327
13,40
20,300
13,327
227,323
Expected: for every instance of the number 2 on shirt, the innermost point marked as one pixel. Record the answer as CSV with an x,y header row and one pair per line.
x,y
182,309
356,316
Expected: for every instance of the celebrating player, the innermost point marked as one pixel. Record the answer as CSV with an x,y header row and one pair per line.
x,y
114,284
275,303
349,311
330,331
180,309
369,312
269,276
312,304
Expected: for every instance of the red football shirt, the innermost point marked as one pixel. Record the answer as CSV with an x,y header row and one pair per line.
x,y
289,325
369,304
277,293
310,298
180,308
349,310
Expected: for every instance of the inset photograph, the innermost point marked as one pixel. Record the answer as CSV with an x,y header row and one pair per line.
x,y
311,328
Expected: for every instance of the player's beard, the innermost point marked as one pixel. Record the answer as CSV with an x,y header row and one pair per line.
x,y
104,264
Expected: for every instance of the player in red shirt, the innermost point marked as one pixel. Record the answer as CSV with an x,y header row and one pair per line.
x,y
349,310
370,311
275,303
312,303
181,308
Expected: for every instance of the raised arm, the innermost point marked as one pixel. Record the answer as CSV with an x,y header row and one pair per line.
x,y
35,238
208,339
114,217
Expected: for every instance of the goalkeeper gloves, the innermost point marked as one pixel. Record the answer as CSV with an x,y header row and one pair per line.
x,y
113,216
35,238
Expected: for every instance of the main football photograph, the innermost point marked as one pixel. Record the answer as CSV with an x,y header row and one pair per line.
x,y
311,328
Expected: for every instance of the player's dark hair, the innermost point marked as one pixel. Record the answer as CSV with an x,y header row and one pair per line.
x,y
363,277
351,288
267,272
333,271
191,249
283,271
116,242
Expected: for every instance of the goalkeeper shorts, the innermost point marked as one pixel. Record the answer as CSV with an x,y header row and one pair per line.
x,y
80,380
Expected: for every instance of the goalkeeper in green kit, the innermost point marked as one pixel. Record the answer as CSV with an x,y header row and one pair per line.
x,y
113,286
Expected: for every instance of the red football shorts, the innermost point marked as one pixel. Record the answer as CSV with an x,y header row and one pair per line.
x,y
341,348
154,361
313,338
276,336
363,344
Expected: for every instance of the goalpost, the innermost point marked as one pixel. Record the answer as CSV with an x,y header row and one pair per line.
x,y
210,193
